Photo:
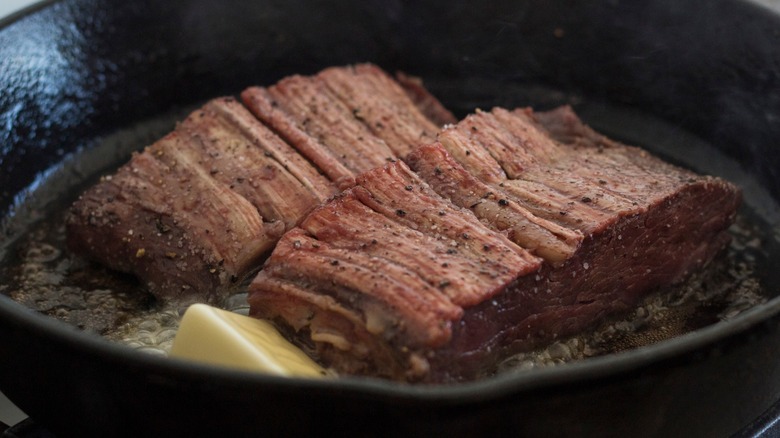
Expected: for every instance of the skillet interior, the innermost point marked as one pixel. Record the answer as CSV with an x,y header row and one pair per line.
x,y
78,71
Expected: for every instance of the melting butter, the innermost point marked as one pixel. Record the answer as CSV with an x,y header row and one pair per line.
x,y
219,337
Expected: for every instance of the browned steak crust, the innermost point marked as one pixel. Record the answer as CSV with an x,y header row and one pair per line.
x,y
196,212
591,226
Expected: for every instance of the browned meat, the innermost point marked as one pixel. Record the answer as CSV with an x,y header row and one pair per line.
x,y
584,185
347,120
566,127
397,263
303,111
513,229
196,212
610,223
252,161
647,224
382,105
549,240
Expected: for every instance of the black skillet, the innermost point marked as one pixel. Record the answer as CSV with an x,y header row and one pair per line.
x,y
77,71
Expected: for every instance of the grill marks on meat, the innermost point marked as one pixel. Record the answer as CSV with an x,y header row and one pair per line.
x,y
404,275
645,224
434,258
162,217
583,185
398,193
196,212
225,225
206,202
365,281
347,120
383,105
549,240
551,225
303,108
253,162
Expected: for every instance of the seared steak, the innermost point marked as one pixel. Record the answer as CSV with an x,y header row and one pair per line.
x,y
387,262
501,233
195,213
389,280
348,120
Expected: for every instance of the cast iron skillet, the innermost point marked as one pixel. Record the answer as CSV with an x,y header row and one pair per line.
x,y
75,71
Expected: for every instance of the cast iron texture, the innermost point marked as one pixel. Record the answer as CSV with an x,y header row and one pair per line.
x,y
77,70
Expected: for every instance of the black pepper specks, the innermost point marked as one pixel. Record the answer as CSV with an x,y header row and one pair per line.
x,y
161,227
400,212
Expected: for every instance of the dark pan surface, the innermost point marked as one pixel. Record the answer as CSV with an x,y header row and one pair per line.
x,y
76,72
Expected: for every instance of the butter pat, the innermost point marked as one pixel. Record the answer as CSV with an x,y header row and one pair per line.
x,y
219,337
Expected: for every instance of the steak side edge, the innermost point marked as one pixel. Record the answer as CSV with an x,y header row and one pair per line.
x,y
607,223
